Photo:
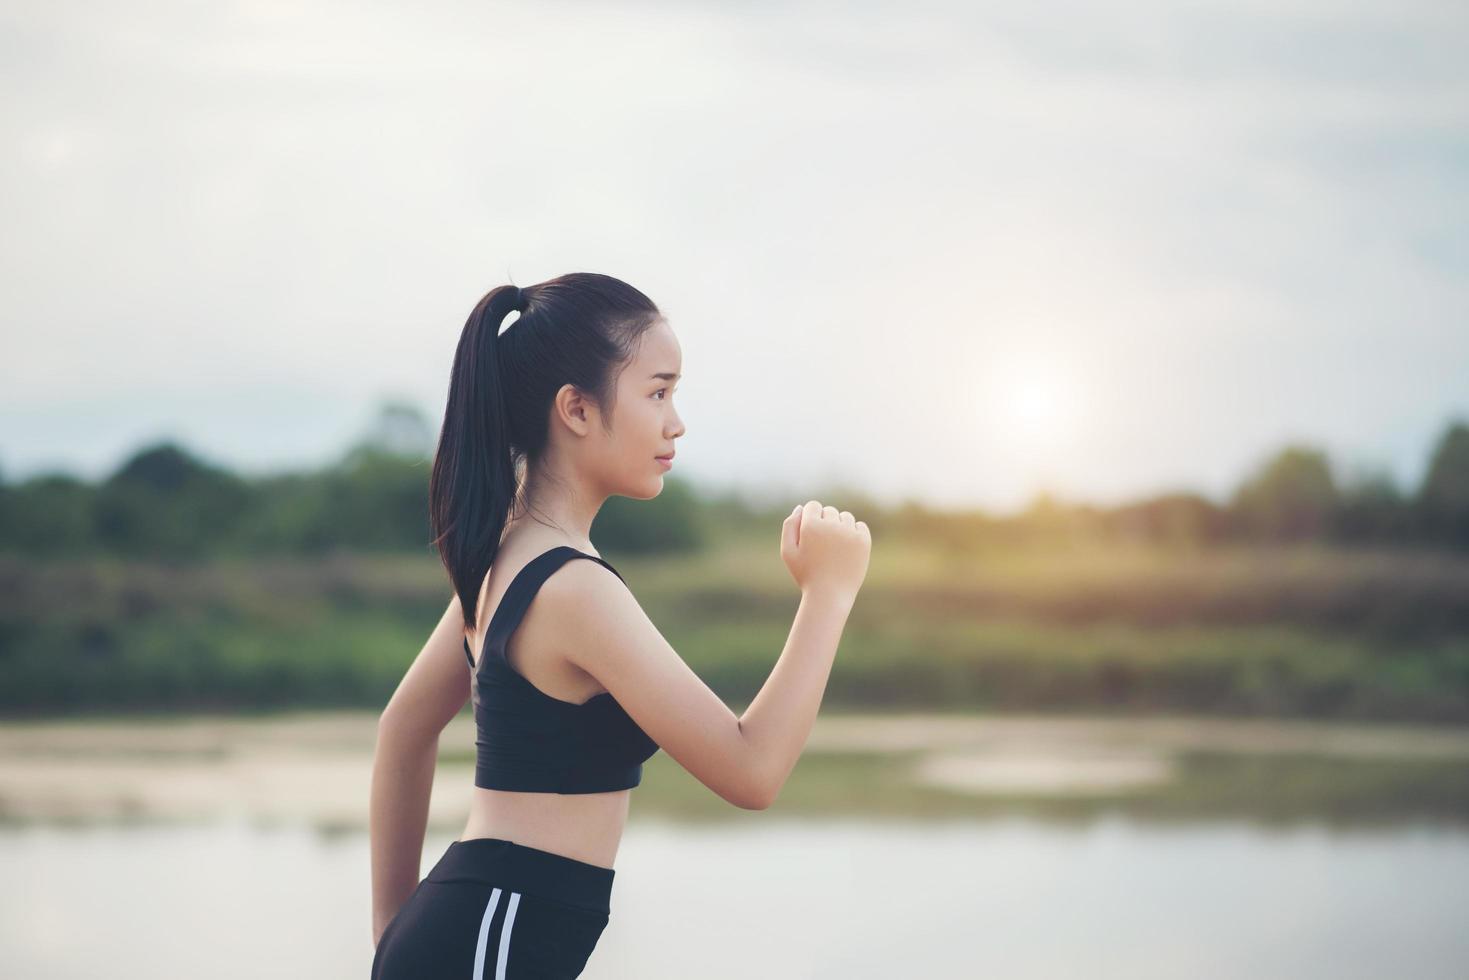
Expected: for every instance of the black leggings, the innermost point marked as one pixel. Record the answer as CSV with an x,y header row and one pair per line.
x,y
492,909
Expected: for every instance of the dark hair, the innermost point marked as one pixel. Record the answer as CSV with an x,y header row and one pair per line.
x,y
578,329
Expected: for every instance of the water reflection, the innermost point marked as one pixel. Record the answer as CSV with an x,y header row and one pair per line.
x,y
921,846
777,898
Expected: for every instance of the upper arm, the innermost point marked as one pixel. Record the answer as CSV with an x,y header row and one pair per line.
x,y
436,684
608,635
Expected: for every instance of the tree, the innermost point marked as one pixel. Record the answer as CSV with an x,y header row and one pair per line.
x,y
1180,519
1443,499
1372,508
1291,498
165,502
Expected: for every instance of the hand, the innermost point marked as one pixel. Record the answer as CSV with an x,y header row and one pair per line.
x,y
826,550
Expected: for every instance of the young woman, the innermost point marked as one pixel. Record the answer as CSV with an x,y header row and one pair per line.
x,y
573,687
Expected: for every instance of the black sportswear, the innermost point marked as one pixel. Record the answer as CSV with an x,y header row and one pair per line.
x,y
492,909
529,741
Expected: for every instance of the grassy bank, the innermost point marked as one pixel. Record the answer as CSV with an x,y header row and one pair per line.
x,y
1297,632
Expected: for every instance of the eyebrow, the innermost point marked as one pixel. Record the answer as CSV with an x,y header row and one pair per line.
x,y
666,376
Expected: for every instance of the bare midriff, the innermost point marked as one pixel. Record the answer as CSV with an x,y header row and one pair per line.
x,y
584,826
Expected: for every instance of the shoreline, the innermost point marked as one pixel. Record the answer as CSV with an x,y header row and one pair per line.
x,y
316,766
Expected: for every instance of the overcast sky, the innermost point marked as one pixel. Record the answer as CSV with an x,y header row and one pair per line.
x,y
932,250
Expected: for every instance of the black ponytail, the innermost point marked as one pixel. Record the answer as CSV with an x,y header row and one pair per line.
x,y
576,329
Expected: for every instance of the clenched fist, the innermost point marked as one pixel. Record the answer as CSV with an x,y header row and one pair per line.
x,y
825,549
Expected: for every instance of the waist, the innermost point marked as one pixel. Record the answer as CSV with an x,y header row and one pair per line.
x,y
529,870
587,827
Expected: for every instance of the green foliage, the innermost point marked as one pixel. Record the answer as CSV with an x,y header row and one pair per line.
x,y
1373,509
48,514
1176,520
1292,497
165,502
1443,500
1299,632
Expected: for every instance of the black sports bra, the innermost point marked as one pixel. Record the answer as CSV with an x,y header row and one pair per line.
x,y
529,741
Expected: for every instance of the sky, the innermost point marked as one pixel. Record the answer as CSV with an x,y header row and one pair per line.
x,y
953,252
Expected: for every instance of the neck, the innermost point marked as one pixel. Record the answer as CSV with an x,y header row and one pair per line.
x,y
561,501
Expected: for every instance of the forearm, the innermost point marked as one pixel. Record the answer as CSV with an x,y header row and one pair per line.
x,y
402,780
779,720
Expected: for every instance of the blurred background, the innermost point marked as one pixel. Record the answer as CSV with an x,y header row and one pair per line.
x,y
1139,336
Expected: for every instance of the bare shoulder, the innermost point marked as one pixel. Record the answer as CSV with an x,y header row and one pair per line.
x,y
601,627
583,591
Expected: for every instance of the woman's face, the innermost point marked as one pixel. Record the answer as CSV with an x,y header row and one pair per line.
x,y
644,421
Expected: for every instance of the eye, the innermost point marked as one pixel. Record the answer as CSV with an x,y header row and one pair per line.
x,y
661,391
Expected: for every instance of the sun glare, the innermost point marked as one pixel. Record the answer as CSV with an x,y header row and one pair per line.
x,y
1039,407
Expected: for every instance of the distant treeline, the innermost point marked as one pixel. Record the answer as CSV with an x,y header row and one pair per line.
x,y
166,502
1271,632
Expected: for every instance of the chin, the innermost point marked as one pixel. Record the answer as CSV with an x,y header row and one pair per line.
x,y
643,490
655,488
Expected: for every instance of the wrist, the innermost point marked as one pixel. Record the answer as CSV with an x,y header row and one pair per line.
x,y
826,597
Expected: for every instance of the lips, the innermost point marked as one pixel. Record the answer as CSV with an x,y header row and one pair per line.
x,y
666,459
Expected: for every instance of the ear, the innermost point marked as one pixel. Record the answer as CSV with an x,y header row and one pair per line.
x,y
575,410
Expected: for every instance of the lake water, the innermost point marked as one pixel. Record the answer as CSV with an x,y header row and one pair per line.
x,y
1009,897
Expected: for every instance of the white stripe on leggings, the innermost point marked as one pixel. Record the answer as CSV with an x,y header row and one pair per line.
x,y
505,935
484,934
